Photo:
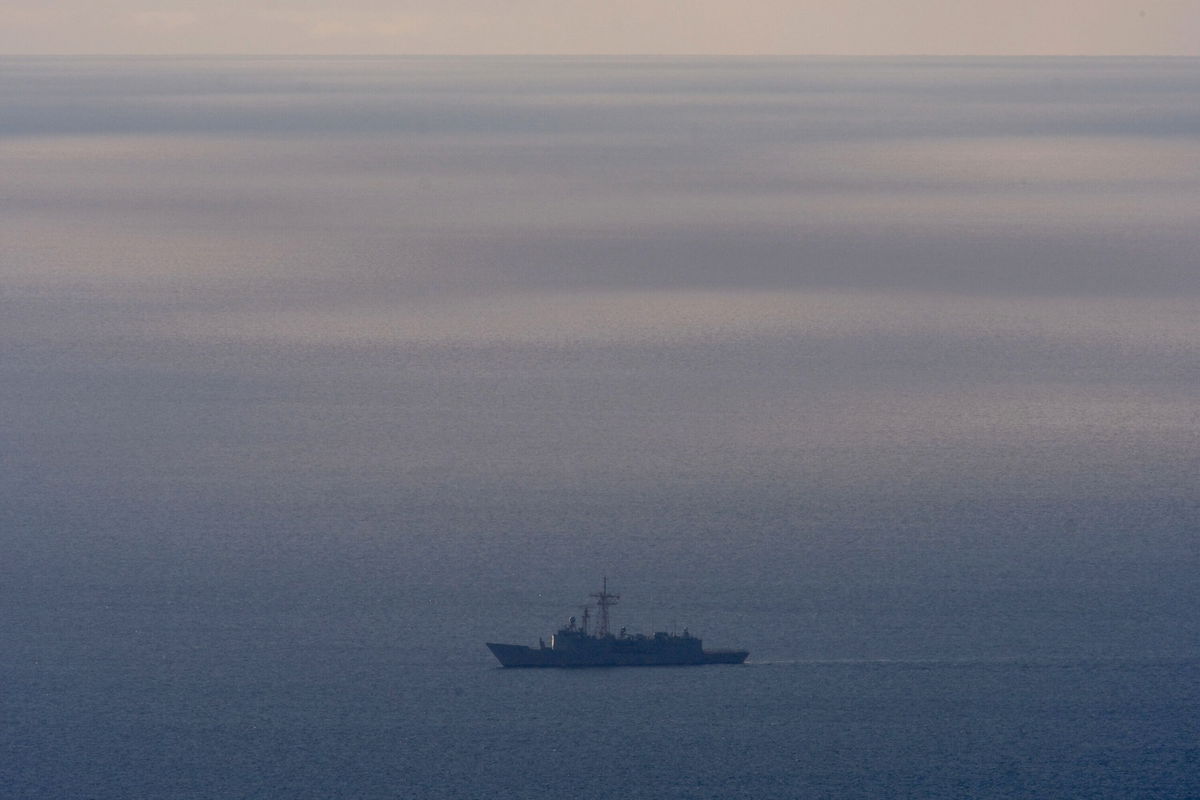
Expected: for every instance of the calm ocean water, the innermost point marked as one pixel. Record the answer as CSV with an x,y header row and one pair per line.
x,y
315,374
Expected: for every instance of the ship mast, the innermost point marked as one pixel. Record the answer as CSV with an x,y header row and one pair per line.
x,y
603,601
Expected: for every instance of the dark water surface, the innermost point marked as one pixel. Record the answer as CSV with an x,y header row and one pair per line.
x,y
315,374
362,725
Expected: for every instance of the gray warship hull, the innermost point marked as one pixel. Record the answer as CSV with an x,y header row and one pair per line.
x,y
577,646
515,655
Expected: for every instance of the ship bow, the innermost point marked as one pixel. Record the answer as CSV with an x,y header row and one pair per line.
x,y
517,655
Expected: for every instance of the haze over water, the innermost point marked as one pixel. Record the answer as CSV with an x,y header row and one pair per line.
x,y
315,374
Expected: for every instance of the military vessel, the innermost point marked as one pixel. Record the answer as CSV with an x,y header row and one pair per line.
x,y
577,646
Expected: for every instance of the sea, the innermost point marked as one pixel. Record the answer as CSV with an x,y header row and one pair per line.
x,y
316,374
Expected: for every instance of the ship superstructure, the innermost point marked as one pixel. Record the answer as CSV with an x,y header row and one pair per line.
x,y
575,645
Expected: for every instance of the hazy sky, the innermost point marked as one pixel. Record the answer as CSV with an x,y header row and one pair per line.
x,y
866,27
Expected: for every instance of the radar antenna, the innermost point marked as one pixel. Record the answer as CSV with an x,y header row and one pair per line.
x,y
603,601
